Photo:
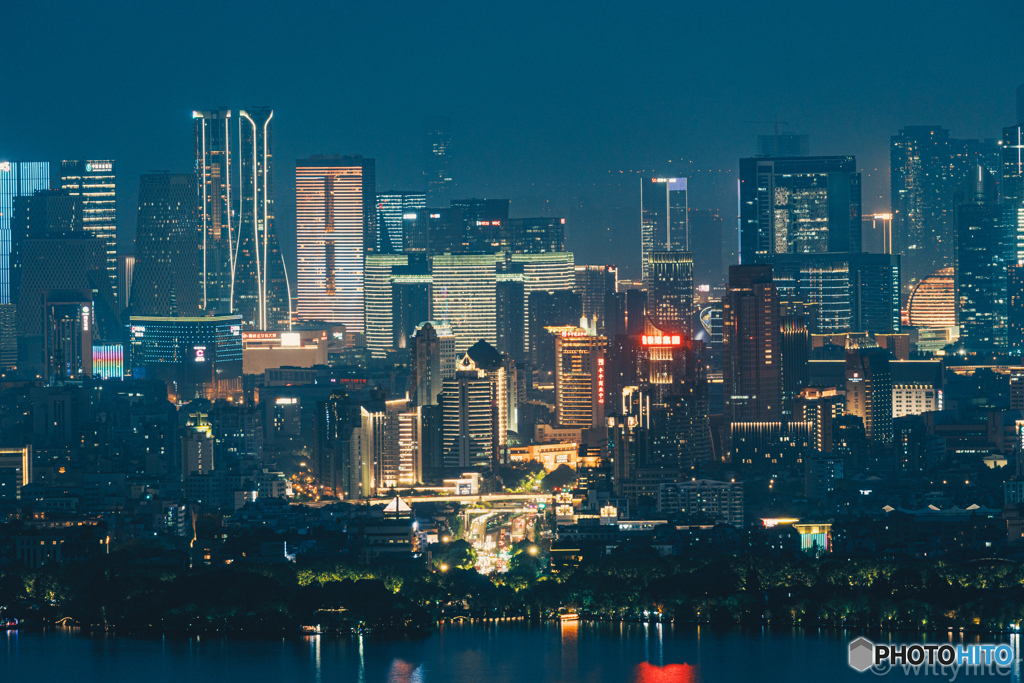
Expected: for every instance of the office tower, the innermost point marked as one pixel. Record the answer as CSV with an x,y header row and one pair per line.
x,y
464,297
752,354
15,471
432,231
1015,307
242,268
17,179
596,286
168,247
510,314
980,272
95,181
1012,189
485,225
468,438
799,205
670,291
67,335
783,145
535,235
664,217
378,295
43,213
927,169
335,223
391,438
125,272
579,378
197,357
500,369
796,348
437,160
432,362
869,389
819,407
542,273
392,208
916,386
411,287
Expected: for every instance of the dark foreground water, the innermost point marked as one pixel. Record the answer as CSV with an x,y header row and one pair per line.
x,y
505,652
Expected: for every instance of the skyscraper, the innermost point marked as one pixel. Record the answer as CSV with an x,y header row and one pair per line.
x,y
536,235
1015,308
579,378
980,272
927,170
869,389
335,221
377,283
168,247
664,223
670,291
17,179
433,361
484,225
596,285
798,205
95,181
464,297
392,207
1013,189
437,160
242,267
542,273
752,370
469,418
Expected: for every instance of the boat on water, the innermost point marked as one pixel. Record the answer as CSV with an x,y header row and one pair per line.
x,y
569,616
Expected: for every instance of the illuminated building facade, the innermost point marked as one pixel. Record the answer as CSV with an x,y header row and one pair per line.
x,y
469,419
1015,313
392,207
596,286
933,301
484,225
579,377
869,390
95,181
335,222
15,471
67,335
168,249
980,272
464,297
752,354
17,179
670,292
535,235
242,270
125,272
433,361
1012,189
108,361
391,439
798,205
927,169
542,273
664,220
378,295
196,357
703,499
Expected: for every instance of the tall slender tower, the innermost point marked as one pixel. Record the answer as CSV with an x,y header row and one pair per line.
x,y
335,219
752,372
17,179
243,271
95,181
437,156
664,224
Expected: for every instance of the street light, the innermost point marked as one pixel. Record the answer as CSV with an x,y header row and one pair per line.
x,y
444,567
533,550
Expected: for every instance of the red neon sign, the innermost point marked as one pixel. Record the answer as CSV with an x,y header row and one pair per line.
x,y
661,340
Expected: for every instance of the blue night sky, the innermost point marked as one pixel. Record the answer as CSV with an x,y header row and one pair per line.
x,y
556,105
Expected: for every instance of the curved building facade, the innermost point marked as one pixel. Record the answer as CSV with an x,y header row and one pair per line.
x,y
933,301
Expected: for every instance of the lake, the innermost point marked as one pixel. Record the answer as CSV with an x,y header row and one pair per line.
x,y
498,652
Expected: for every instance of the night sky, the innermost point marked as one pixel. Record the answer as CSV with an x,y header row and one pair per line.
x,y
557,105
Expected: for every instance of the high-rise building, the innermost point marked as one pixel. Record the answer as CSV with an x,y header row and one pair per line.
x,y
243,270
712,256
596,285
980,271
468,438
485,225
125,273
411,287
579,378
379,298
432,231
664,219
15,471
67,335
464,297
1012,189
432,362
927,169
670,291
799,205
17,179
336,227
542,273
752,350
535,235
391,440
869,389
168,247
41,214
1015,308
437,160
796,348
549,309
500,369
8,337
392,208
933,301
95,181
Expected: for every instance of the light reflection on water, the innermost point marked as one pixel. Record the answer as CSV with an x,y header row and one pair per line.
x,y
571,652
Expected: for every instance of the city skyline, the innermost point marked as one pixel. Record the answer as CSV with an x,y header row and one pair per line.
x,y
495,154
